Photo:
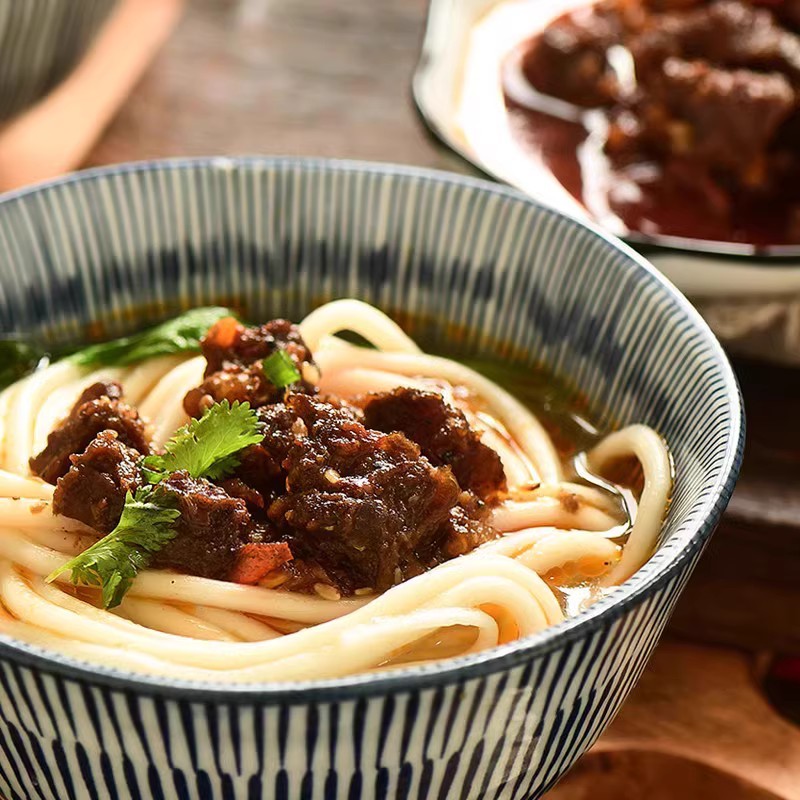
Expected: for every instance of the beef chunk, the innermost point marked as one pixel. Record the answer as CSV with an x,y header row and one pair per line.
x,y
467,527
87,419
211,529
731,33
94,489
110,389
360,503
732,115
236,487
235,355
262,465
569,59
443,435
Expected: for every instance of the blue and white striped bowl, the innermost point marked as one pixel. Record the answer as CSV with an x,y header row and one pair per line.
x,y
40,43
124,245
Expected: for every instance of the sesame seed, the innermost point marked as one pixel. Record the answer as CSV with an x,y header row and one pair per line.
x,y
327,592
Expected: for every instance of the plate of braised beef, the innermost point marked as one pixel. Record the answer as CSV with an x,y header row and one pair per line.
x,y
674,124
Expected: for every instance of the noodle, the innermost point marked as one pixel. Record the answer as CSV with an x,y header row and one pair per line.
x,y
202,629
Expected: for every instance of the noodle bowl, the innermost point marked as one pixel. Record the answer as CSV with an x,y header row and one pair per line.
x,y
557,527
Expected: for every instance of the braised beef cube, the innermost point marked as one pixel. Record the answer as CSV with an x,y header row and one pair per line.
x,y
443,435
359,501
110,389
236,384
230,342
568,60
466,528
732,33
261,466
210,530
732,115
235,356
236,487
94,489
75,433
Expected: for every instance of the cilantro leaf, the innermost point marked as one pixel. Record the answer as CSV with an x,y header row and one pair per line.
x,y
146,525
178,335
208,447
280,370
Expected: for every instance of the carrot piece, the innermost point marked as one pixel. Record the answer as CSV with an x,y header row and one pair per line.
x,y
223,332
257,559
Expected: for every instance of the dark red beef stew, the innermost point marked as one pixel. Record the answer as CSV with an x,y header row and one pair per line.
x,y
690,108
352,497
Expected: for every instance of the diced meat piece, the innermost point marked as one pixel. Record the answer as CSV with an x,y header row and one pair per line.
x,y
466,529
110,389
568,60
358,502
261,465
236,384
443,435
75,433
235,355
306,577
211,528
255,560
731,33
732,115
94,489
236,487
230,342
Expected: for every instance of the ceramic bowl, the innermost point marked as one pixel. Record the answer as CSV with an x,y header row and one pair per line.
x,y
40,42
750,300
473,264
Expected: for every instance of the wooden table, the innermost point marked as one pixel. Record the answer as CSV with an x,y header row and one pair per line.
x,y
317,77
299,77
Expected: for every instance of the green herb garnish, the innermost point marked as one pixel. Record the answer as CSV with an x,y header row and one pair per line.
x,y
17,359
280,370
112,563
179,335
205,448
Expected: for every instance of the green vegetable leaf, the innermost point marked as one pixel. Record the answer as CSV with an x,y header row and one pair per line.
x,y
208,447
178,335
17,359
146,525
280,370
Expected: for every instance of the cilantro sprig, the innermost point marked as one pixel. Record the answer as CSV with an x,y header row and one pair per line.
x,y
209,448
113,562
280,370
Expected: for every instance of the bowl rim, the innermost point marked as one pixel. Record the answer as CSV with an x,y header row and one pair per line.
x,y
451,671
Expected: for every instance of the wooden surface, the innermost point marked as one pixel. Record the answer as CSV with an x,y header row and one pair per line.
x,y
299,77
697,727
313,77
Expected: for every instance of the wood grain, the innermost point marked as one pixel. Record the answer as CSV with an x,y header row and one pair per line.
x,y
696,727
297,77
